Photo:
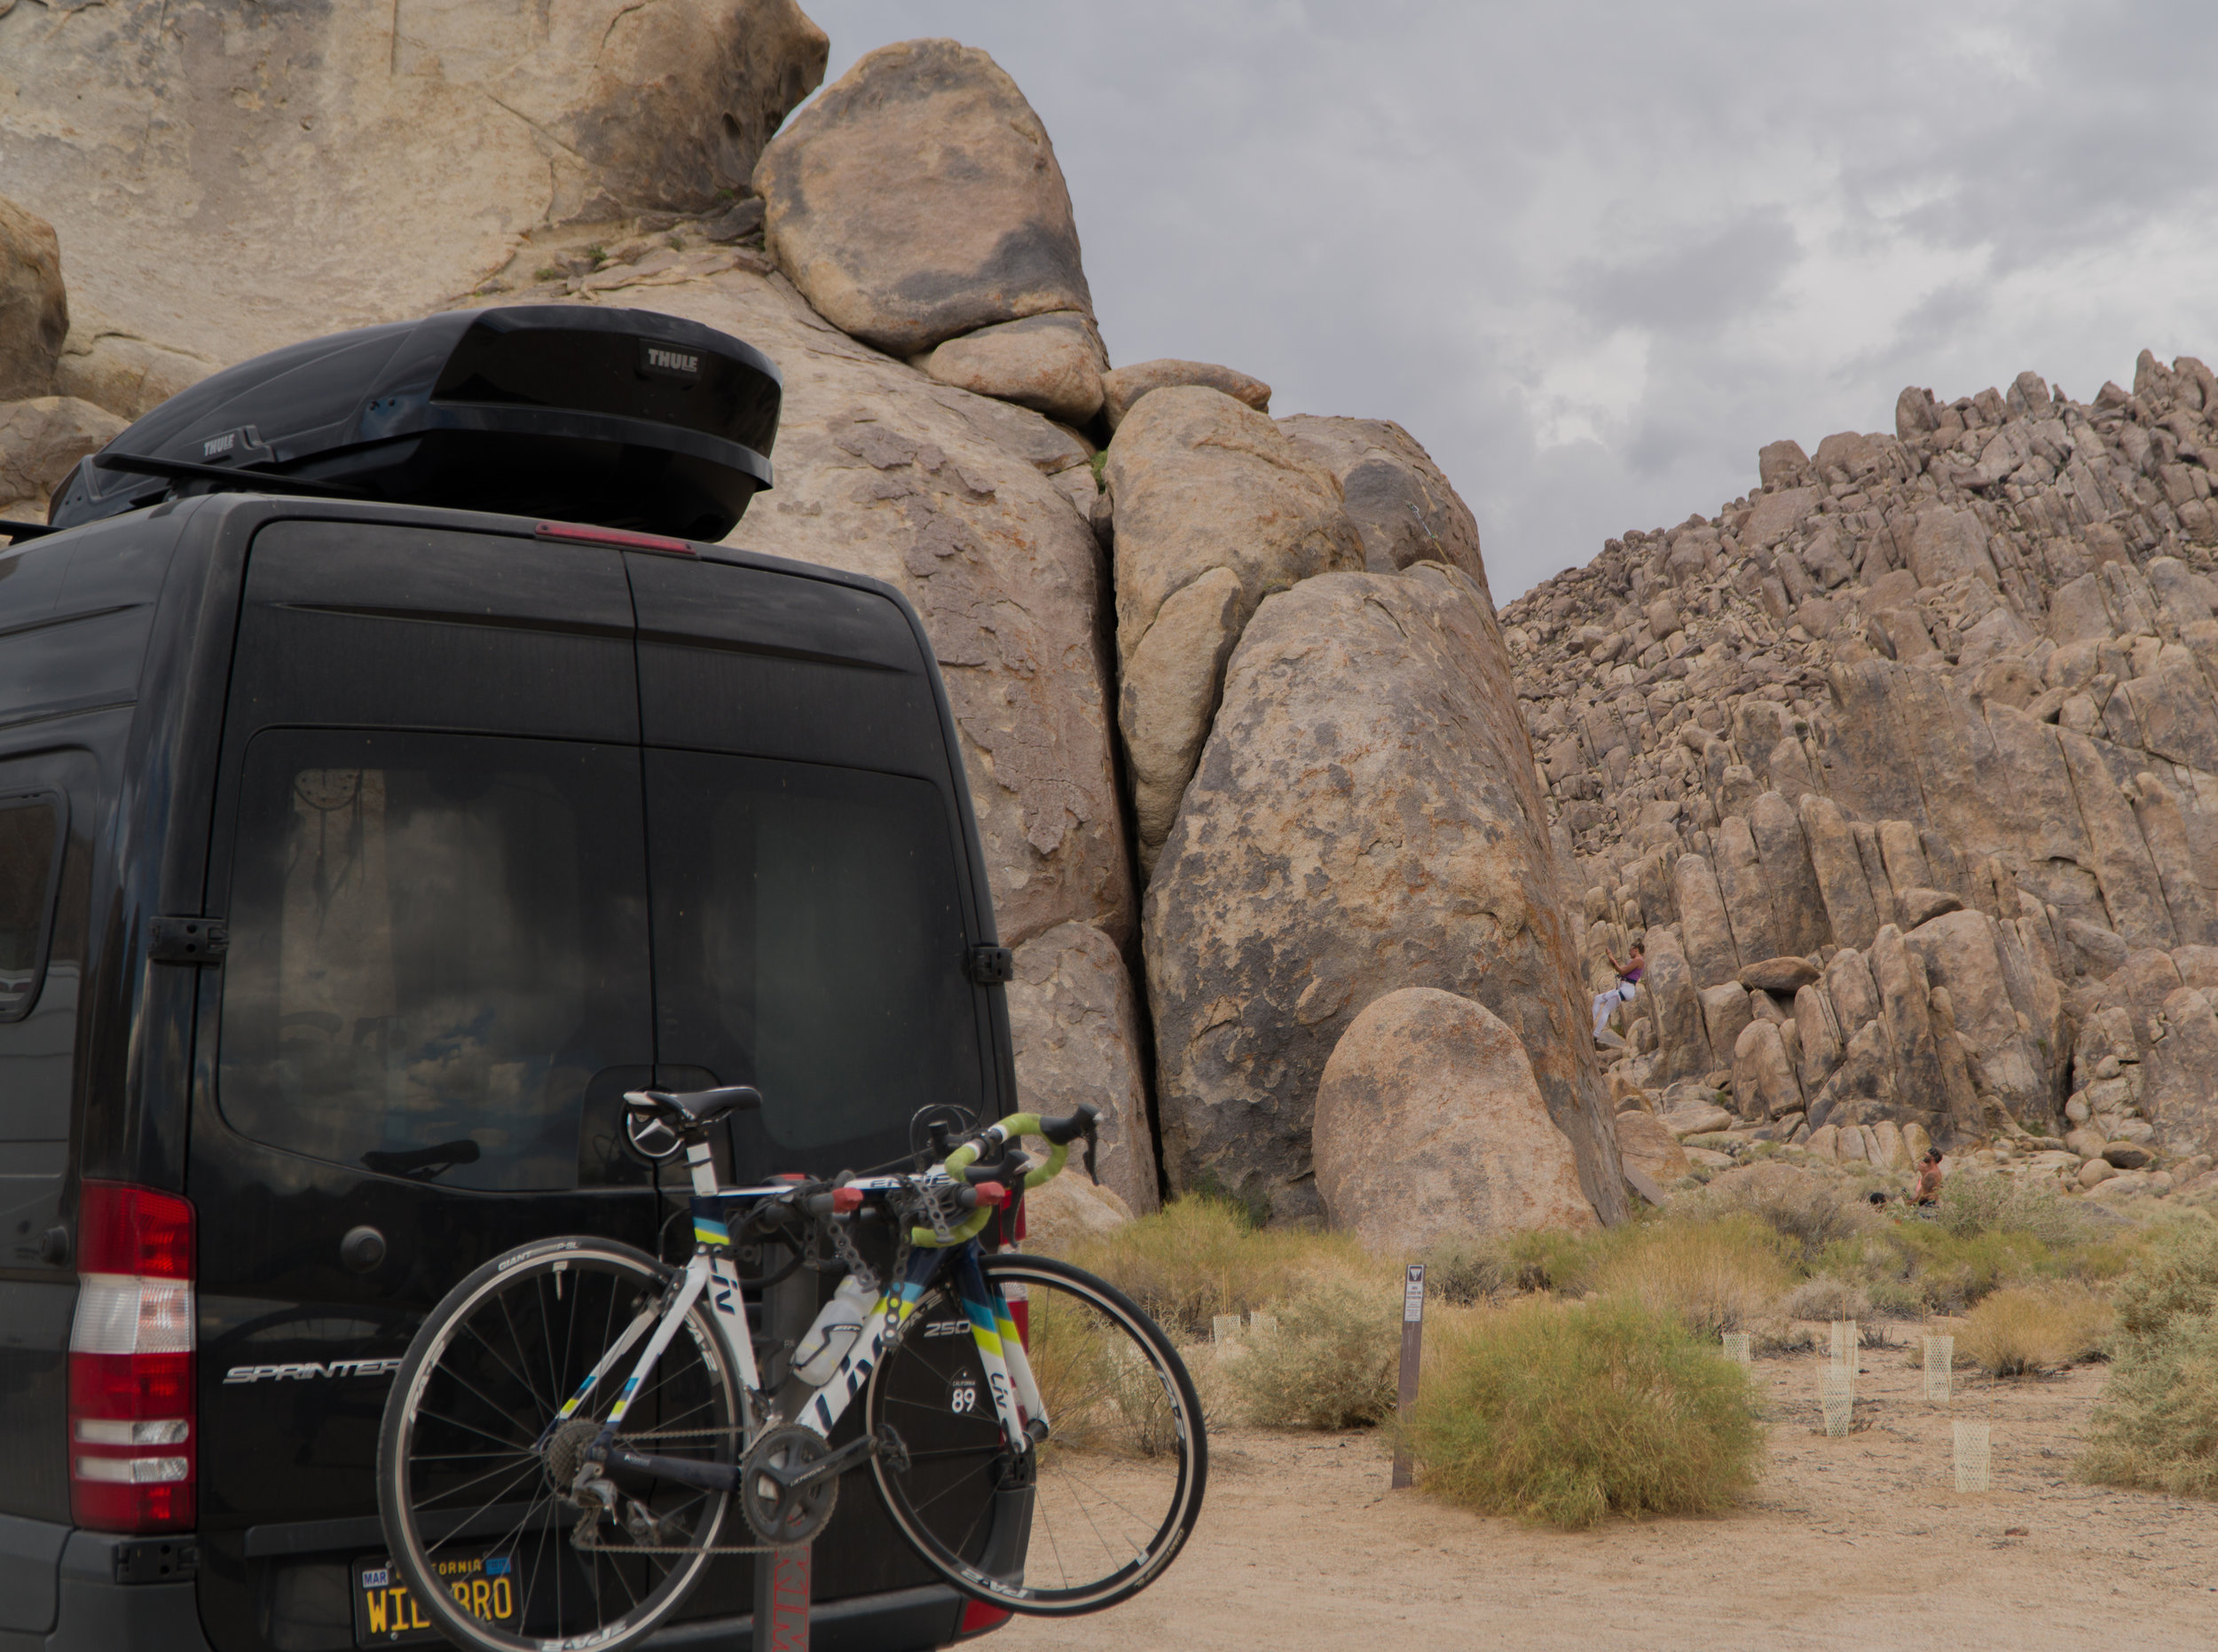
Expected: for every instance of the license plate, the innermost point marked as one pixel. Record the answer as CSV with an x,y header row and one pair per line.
x,y
387,1612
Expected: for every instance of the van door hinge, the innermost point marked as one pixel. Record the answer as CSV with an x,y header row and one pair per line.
x,y
991,965
187,940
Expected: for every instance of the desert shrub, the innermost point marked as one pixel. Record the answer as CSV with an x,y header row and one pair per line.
x,y
1713,1276
2157,1426
1970,1205
1824,1296
1198,1257
1564,1414
1806,1211
1330,1364
1472,1268
1954,1270
2025,1328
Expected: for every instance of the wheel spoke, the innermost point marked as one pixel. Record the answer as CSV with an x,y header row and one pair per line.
x,y
561,1592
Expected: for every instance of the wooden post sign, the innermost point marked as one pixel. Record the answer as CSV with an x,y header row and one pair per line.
x,y
1412,1337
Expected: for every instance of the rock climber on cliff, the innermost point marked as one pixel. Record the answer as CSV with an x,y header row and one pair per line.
x,y
1624,992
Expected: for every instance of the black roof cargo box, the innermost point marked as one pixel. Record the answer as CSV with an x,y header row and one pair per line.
x,y
624,418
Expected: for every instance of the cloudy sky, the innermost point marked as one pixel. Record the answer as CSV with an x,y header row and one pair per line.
x,y
1593,256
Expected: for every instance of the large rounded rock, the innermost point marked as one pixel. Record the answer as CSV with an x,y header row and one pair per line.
x,y
919,197
1364,818
1076,1028
1397,498
1121,390
1051,362
1202,483
1646,1143
41,442
1429,1122
320,167
33,308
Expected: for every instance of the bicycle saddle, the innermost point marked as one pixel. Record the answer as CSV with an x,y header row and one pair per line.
x,y
704,1107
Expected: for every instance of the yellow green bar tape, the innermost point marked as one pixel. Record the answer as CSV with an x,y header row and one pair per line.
x,y
1015,1126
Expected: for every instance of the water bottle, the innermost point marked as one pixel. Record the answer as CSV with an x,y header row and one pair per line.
x,y
838,1323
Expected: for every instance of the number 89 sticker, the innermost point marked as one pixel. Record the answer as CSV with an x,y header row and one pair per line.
x,y
962,1397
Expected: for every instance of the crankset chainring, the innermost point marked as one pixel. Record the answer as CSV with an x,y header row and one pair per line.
x,y
778,1510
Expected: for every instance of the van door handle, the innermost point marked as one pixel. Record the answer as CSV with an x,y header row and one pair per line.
x,y
362,1249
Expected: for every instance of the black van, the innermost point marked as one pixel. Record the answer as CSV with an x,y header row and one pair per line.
x,y
356,854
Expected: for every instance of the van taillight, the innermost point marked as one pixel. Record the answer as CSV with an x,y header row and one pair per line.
x,y
980,1615
132,1456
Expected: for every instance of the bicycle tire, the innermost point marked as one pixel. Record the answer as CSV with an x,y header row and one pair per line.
x,y
1127,1446
477,1385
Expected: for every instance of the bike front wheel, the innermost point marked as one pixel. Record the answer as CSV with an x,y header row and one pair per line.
x,y
477,1483
1091,1509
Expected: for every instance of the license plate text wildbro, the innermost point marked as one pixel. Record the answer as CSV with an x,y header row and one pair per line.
x,y
387,1613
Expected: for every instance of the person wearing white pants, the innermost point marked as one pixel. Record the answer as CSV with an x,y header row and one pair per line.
x,y
1626,990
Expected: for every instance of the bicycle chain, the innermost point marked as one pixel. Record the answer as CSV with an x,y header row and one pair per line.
x,y
844,1247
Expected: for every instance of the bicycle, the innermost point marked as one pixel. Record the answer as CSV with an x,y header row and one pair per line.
x,y
530,1501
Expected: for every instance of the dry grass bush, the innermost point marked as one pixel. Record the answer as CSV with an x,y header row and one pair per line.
x,y
1198,1257
1566,1414
1823,1296
2157,1426
1477,1268
1330,1364
1972,1205
1808,1210
2022,1329
1713,1276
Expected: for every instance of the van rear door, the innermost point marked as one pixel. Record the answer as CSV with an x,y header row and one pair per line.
x,y
429,848
814,898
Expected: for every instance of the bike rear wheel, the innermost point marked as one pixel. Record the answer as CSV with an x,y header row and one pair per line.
x,y
1092,1513
477,1491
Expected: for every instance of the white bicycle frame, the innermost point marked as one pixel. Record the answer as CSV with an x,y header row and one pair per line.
x,y
993,1331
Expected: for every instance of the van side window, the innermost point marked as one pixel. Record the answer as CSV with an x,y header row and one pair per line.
x,y
30,863
436,942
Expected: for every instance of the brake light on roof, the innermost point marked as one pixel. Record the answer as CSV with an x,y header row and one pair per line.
x,y
623,539
132,1455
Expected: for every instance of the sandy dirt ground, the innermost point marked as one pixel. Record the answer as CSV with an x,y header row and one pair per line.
x,y
1845,1543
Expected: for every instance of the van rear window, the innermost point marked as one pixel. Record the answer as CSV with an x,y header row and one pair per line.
x,y
436,941
30,835
809,941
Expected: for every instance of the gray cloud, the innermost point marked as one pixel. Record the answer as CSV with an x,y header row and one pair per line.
x,y
1593,256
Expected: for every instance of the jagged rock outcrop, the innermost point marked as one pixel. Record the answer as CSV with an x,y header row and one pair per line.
x,y
1202,486
307,168
1393,493
1074,1023
1363,821
919,197
1937,714
1429,1123
41,441
34,305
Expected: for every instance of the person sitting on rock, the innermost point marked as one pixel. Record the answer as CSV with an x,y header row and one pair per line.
x,y
1928,1177
1624,992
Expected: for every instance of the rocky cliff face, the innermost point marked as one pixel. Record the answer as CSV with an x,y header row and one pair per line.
x,y
1905,764
1236,714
